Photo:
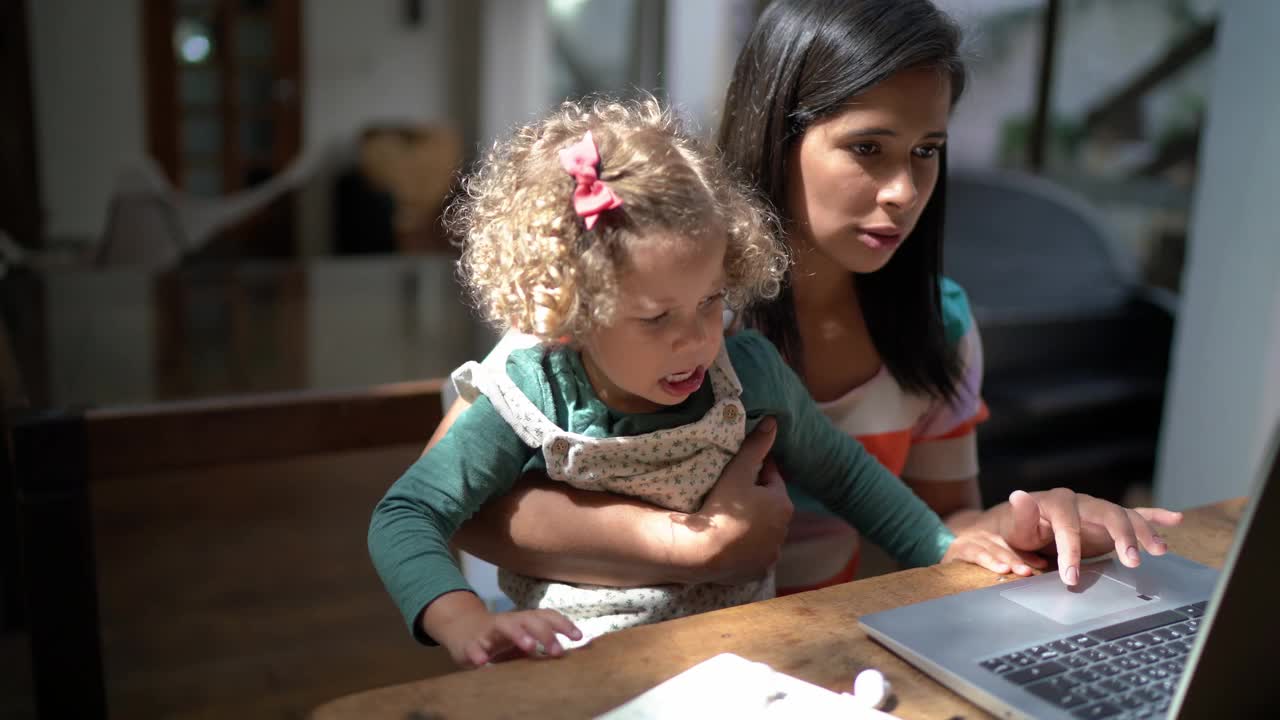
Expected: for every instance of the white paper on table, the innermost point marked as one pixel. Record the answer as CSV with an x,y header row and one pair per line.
x,y
729,685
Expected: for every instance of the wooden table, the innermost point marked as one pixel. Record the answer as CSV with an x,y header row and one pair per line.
x,y
813,636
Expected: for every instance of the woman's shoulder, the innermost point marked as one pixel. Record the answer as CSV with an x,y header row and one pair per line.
x,y
957,317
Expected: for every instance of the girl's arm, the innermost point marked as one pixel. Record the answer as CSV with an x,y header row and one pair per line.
x,y
957,502
411,525
606,539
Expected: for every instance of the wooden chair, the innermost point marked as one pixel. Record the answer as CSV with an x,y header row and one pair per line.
x,y
60,457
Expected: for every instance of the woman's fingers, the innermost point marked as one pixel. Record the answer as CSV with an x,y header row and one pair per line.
x,y
1147,534
1027,529
1159,516
744,468
1059,507
1109,526
1075,525
745,517
770,477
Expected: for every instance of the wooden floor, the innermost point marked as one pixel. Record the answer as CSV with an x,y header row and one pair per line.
x,y
241,592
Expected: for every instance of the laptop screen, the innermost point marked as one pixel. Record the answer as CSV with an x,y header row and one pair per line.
x,y
1231,674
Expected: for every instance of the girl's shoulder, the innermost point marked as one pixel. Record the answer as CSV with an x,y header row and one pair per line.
x,y
756,361
749,347
957,317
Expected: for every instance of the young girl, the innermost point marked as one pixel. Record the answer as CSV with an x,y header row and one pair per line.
x,y
605,233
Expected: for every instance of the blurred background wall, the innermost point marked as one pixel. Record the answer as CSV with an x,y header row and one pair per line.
x,y
342,115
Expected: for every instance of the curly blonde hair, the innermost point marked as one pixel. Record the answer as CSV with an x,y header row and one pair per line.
x,y
527,259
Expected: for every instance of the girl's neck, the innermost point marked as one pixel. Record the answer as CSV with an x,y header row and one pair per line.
x,y
612,396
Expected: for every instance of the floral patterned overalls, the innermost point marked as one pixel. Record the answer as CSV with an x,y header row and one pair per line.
x,y
673,468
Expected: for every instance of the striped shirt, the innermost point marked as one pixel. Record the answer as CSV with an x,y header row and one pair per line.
x,y
915,436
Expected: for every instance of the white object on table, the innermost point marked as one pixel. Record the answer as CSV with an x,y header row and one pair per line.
x,y
729,685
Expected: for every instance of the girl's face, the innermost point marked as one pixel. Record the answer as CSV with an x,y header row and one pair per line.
x,y
668,325
858,180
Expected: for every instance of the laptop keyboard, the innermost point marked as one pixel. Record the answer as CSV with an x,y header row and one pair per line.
x,y
1126,670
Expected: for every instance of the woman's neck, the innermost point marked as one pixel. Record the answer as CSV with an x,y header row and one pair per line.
x,y
822,289
839,354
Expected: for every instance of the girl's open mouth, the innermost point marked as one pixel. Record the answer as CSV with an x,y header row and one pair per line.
x,y
685,382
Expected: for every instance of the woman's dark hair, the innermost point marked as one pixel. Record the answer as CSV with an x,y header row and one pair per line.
x,y
803,61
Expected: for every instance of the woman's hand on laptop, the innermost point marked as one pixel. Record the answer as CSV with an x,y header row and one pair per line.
x,y
1074,525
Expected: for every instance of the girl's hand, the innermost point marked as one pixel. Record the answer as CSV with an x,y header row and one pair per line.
x,y
476,637
983,547
1074,525
737,534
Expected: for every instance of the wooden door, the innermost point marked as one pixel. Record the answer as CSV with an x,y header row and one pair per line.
x,y
224,90
20,202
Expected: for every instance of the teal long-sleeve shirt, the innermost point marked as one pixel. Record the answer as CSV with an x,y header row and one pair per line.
x,y
481,457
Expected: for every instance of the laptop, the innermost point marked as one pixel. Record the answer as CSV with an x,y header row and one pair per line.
x,y
1170,638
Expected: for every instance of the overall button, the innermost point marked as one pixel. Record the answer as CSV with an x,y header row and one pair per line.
x,y
730,413
560,446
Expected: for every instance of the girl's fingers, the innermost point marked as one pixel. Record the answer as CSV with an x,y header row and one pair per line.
x,y
510,629
538,625
1020,562
511,653
987,560
992,553
476,656
563,625
523,631
1032,560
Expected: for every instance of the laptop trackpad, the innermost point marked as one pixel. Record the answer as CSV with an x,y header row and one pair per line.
x,y
1094,596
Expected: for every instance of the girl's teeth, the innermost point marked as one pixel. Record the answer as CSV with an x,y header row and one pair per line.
x,y
678,377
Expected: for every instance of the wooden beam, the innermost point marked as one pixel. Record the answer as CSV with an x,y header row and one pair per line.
x,y
160,78
20,203
1186,50
1044,87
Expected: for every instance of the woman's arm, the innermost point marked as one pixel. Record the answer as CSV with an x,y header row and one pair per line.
x,y
550,530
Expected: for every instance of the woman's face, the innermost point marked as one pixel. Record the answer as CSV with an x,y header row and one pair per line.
x,y
858,180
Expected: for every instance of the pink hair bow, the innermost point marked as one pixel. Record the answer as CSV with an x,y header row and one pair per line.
x,y
592,196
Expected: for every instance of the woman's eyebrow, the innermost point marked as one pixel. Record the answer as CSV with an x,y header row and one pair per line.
x,y
886,132
870,131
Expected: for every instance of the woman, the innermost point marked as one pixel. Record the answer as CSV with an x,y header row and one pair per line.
x,y
837,112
